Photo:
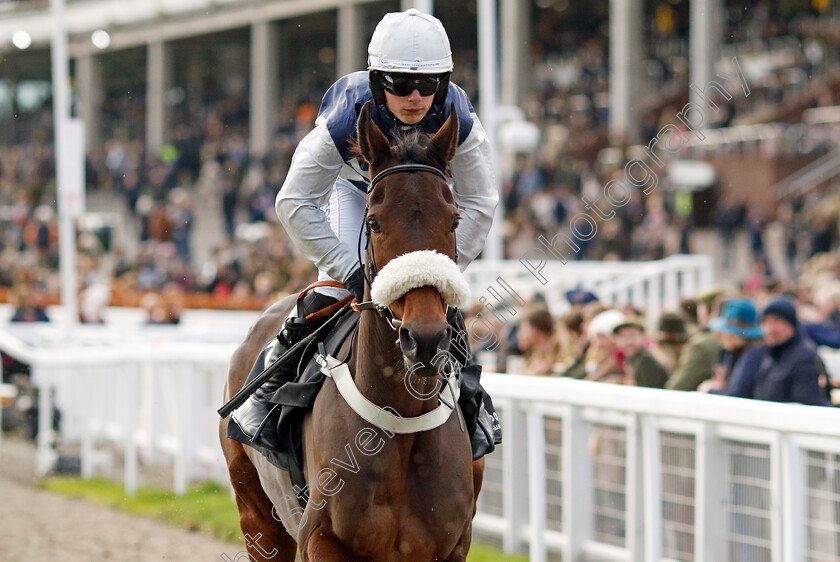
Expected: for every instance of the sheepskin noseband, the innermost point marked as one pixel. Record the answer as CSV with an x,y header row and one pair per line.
x,y
419,269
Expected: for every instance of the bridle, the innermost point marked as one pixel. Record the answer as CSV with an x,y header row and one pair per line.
x,y
338,370
370,270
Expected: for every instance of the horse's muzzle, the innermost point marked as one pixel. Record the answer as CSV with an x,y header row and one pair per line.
x,y
425,350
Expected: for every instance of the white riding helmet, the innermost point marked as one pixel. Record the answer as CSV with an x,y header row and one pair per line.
x,y
412,42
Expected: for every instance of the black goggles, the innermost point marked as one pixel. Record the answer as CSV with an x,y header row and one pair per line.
x,y
405,84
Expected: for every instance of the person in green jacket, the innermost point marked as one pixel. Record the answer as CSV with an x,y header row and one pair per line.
x,y
641,368
696,362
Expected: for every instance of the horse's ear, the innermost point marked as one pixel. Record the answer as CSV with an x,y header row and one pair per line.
x,y
443,145
373,144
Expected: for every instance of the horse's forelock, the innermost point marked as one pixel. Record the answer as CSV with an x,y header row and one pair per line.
x,y
411,147
408,146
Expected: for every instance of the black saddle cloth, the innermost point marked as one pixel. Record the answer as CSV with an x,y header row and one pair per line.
x,y
280,441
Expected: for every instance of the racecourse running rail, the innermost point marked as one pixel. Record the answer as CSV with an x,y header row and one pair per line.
x,y
587,470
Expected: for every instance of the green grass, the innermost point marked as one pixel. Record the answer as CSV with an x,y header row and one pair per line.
x,y
484,553
205,507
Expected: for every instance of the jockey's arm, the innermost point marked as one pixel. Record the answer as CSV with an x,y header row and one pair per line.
x,y
476,193
314,169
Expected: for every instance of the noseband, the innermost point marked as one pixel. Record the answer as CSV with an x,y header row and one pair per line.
x,y
371,270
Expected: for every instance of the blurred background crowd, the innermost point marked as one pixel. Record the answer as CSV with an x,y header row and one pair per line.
x,y
193,225
753,342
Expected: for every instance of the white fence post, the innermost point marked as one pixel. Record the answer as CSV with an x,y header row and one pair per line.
x,y
181,412
793,499
46,455
651,459
777,476
688,282
705,273
710,493
577,484
536,488
87,424
671,298
514,476
130,437
639,299
654,307
635,508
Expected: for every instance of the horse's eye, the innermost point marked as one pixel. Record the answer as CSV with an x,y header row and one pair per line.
x,y
455,222
373,225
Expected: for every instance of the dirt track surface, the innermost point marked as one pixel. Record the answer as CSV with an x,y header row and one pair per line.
x,y
39,526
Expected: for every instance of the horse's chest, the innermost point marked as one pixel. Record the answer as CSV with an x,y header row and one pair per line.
x,y
410,521
412,503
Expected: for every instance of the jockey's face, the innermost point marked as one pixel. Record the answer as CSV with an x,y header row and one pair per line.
x,y
409,109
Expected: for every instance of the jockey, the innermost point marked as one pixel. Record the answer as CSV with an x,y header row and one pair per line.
x,y
323,199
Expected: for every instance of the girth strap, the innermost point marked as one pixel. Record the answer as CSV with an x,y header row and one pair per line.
x,y
380,416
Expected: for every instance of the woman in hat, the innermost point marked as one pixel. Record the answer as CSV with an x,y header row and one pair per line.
x,y
738,331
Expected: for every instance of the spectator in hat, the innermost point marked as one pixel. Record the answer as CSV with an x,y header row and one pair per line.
x,y
596,357
671,336
641,368
738,331
789,370
580,297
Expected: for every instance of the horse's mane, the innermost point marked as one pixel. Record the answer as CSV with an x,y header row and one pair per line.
x,y
407,147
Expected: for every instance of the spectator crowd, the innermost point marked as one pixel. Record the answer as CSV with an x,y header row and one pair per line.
x,y
751,343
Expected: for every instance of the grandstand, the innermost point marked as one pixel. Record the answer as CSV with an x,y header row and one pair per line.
x,y
211,96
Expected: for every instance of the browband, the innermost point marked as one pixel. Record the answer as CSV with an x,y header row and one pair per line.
x,y
405,168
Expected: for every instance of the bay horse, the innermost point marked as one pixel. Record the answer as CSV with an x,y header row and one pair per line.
x,y
375,494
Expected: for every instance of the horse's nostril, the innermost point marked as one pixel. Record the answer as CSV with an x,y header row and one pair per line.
x,y
407,343
444,339
424,345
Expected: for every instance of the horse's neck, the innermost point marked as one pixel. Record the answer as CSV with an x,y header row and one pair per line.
x,y
380,372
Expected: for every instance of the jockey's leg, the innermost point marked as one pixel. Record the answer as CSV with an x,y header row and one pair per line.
x,y
476,405
345,213
250,416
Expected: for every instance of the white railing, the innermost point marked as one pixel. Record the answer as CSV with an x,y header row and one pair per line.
x,y
588,470
600,471
149,400
653,286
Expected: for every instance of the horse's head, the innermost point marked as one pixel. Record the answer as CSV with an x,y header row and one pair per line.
x,y
411,220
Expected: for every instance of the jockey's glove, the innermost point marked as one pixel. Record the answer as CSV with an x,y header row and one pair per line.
x,y
355,283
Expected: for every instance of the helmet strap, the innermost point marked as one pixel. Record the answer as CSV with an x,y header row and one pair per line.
x,y
443,91
376,87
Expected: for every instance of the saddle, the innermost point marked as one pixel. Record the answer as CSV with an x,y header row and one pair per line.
x,y
280,438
